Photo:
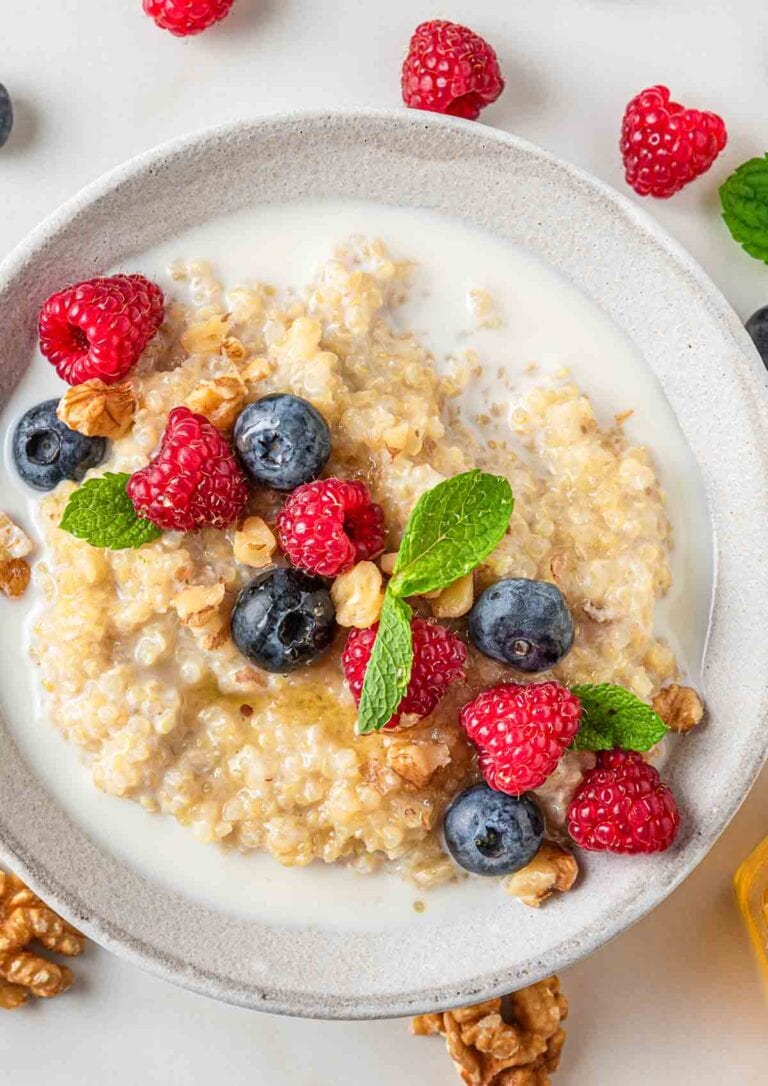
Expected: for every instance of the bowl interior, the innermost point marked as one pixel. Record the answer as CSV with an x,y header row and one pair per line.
x,y
344,964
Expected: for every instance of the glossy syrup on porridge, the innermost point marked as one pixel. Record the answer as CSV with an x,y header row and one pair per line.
x,y
168,712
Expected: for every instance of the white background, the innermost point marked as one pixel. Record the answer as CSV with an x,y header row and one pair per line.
x,y
676,1000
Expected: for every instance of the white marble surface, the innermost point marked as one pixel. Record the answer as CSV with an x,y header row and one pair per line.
x,y
676,999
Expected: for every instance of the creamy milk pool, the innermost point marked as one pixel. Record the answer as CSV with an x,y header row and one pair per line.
x,y
543,321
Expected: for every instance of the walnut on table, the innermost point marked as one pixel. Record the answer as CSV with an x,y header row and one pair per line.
x,y
512,1042
680,707
24,918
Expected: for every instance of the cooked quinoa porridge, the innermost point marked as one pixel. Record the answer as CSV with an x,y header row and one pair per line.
x,y
134,646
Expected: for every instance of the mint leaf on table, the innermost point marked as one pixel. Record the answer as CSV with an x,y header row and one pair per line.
x,y
614,717
389,668
451,530
744,196
101,512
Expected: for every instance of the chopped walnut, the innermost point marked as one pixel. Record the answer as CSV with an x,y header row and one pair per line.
x,y
233,349
680,707
98,410
516,1042
257,370
220,400
23,919
14,542
417,762
254,543
357,596
598,612
206,337
387,563
552,868
483,308
455,600
14,577
195,606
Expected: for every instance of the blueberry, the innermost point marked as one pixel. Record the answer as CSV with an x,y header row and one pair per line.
x,y
283,619
491,833
523,623
757,326
6,115
46,451
282,441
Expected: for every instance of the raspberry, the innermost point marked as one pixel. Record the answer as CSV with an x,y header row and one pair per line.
x,y
186,17
438,660
99,328
622,805
193,482
664,145
327,526
521,732
450,69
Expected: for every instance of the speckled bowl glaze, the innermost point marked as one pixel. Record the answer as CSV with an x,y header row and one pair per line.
x,y
691,340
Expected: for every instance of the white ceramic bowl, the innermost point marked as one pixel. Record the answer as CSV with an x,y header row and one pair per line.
x,y
691,341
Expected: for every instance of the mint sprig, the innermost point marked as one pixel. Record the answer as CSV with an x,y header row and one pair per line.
x,y
452,528
614,717
389,668
101,512
744,196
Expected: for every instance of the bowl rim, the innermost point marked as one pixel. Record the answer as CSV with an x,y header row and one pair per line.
x,y
280,1001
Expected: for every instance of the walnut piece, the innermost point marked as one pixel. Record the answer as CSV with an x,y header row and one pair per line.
x,y
196,605
233,349
98,410
387,563
256,370
552,868
206,337
24,918
512,1042
455,600
680,707
220,400
357,596
14,542
254,543
417,762
14,577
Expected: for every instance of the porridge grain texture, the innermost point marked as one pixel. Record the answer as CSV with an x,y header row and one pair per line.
x,y
157,705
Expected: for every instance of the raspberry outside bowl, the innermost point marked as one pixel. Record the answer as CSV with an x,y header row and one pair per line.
x,y
357,961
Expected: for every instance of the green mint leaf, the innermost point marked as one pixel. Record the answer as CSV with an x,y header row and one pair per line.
x,y
101,512
613,717
744,196
389,668
451,530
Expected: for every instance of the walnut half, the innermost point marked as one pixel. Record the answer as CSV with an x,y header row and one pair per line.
x,y
512,1042
24,918
552,868
98,410
680,707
